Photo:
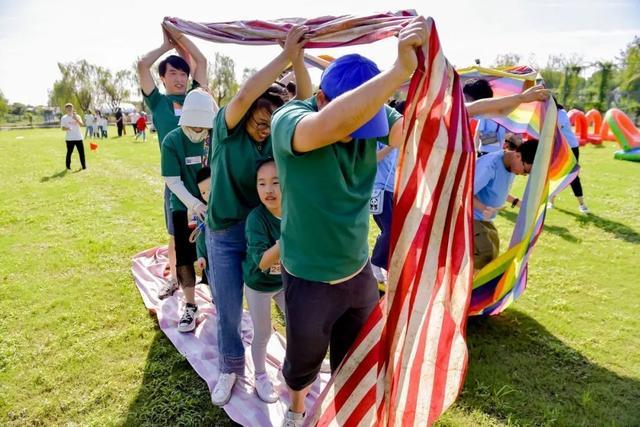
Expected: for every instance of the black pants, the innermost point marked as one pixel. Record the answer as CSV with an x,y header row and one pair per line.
x,y
319,314
80,145
135,129
185,250
576,186
120,128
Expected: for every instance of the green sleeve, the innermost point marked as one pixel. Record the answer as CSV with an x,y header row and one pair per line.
x,y
392,116
283,126
220,127
201,247
169,161
257,236
153,99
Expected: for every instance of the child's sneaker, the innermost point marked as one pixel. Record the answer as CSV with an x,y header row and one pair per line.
x,y
264,388
584,209
293,419
167,289
188,319
222,391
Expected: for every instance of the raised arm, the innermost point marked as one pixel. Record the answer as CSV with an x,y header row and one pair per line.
x,y
190,52
304,89
504,105
260,81
144,65
348,112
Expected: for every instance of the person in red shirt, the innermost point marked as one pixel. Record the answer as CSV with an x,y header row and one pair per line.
x,y
141,126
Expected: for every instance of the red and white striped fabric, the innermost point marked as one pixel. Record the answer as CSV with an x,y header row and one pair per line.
x,y
409,361
326,31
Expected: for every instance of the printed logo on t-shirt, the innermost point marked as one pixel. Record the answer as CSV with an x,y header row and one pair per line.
x,y
193,160
177,109
275,269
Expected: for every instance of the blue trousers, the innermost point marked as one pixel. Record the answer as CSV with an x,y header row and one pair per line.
x,y
226,249
380,255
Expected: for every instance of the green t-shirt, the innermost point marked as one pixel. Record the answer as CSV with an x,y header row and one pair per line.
x,y
234,159
325,199
262,229
166,110
183,158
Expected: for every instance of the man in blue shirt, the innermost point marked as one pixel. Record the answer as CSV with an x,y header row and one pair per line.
x,y
493,178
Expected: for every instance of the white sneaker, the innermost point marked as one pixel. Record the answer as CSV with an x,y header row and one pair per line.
x,y
584,209
222,391
264,388
550,205
293,419
188,320
167,289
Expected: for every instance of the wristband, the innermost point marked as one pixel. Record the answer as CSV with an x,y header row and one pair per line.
x,y
515,202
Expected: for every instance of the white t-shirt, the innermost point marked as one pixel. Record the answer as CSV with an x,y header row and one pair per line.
x,y
88,119
73,134
134,118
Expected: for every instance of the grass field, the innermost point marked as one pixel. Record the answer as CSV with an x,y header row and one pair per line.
x,y
77,346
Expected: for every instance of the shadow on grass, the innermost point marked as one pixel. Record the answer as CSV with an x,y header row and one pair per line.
x,y
523,375
617,229
56,175
561,232
172,393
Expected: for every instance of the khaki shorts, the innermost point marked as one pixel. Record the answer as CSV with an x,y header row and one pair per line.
x,y
486,243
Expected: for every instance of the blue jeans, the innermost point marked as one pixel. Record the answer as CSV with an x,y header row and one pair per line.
x,y
226,249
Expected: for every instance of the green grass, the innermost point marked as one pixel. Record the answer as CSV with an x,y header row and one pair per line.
x,y
78,347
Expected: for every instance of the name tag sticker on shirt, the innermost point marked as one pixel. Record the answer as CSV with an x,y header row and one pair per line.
x,y
193,160
177,109
275,269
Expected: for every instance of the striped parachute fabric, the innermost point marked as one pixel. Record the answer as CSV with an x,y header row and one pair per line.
x,y
408,364
324,32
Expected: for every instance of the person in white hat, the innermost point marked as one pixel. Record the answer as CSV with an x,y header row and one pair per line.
x,y
185,150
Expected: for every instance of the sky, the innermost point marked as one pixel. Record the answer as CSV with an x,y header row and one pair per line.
x,y
35,34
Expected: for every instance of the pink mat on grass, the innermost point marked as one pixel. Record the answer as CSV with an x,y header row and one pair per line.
x,y
201,350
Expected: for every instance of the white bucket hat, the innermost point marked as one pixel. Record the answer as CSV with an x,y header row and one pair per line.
x,y
198,110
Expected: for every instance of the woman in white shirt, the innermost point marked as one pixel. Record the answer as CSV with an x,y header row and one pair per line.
x,y
71,123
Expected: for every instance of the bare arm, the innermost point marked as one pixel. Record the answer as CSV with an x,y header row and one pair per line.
x,y
345,114
504,105
190,52
260,81
144,65
270,256
304,89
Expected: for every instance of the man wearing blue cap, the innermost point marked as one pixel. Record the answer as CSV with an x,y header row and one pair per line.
x,y
325,149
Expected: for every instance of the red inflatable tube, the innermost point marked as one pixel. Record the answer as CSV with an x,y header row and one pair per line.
x,y
579,121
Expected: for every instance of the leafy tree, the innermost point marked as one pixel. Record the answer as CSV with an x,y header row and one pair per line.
x,y
507,60
223,79
4,105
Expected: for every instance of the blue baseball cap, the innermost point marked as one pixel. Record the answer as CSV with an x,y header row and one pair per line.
x,y
347,73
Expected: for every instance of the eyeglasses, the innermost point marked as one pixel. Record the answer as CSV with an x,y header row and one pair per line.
x,y
261,126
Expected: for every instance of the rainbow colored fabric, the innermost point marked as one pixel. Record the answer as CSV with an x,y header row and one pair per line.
x,y
502,281
507,81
